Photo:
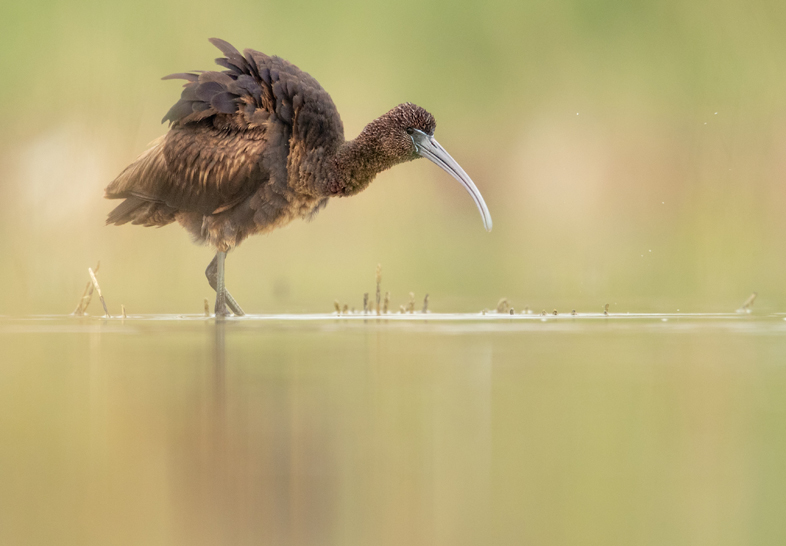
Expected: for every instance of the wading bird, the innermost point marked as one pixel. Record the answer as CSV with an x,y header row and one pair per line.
x,y
257,145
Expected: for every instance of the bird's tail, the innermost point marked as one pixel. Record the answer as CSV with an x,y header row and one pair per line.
x,y
140,211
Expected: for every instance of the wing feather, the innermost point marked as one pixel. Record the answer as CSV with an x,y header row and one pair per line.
x,y
190,170
230,139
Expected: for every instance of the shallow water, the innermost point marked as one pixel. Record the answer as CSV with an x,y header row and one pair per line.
x,y
646,429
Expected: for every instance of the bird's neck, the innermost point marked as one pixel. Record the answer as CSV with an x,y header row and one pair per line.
x,y
357,162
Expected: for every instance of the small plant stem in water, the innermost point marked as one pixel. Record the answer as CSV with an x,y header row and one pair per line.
x,y
337,305
425,304
411,306
84,300
87,295
98,289
386,303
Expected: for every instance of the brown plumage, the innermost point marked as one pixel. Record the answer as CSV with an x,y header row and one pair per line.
x,y
257,145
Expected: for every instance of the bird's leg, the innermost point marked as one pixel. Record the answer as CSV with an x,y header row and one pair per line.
x,y
212,277
221,296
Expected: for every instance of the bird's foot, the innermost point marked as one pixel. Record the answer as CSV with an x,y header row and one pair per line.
x,y
221,306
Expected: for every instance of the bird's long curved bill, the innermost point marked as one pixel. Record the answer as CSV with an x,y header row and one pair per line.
x,y
429,148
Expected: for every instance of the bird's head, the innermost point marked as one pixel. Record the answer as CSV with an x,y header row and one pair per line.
x,y
407,132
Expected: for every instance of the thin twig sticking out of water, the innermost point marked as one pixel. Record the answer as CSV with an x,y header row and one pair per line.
x,y
425,304
365,302
337,305
207,308
386,303
98,289
123,311
606,309
87,295
746,307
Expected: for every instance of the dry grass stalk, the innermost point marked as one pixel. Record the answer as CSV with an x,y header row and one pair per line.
x,y
207,308
411,305
386,303
98,289
81,308
87,295
345,309
365,302
337,305
425,304
123,311
503,305
606,309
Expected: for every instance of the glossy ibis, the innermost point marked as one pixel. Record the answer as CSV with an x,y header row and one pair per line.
x,y
257,145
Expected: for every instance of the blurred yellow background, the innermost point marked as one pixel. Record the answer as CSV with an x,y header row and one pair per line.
x,y
630,152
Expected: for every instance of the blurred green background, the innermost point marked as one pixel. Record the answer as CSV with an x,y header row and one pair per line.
x,y
630,152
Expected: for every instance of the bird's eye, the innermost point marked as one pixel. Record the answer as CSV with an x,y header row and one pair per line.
x,y
410,130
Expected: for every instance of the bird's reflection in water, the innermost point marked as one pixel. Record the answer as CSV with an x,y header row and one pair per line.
x,y
219,363
204,466
288,438
244,466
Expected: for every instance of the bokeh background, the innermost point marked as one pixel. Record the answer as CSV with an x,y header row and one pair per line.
x,y
631,153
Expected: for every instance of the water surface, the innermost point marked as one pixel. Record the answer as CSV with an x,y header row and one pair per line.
x,y
473,430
